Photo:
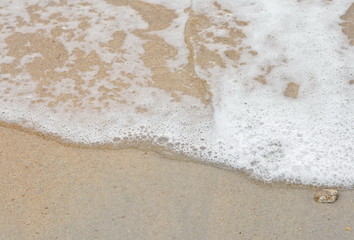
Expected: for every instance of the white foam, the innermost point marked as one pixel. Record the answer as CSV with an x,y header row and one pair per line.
x,y
248,125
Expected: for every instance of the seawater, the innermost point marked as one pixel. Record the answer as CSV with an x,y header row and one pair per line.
x,y
265,86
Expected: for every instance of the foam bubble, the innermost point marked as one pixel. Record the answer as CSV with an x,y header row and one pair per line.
x,y
260,85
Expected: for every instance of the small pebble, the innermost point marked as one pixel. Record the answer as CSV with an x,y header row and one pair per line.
x,y
292,90
347,229
326,196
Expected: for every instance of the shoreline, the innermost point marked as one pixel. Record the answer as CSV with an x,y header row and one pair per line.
x,y
51,190
157,149
269,142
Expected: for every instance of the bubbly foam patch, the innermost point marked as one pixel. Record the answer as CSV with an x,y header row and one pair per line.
x,y
265,86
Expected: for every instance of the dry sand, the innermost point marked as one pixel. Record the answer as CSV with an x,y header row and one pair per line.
x,y
52,191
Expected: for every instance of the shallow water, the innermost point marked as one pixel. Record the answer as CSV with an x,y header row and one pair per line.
x,y
262,85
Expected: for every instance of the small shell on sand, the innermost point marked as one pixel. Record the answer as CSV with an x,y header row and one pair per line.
x,y
326,196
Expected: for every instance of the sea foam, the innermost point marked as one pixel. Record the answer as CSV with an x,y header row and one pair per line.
x,y
265,86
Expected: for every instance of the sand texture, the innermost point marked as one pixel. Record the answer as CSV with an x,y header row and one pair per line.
x,y
52,191
188,78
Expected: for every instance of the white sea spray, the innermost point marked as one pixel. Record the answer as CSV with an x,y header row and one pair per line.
x,y
249,123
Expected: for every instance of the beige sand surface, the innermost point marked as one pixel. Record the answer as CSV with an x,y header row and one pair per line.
x,y
52,191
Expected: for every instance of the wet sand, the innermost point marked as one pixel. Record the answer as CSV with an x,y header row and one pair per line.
x,y
52,191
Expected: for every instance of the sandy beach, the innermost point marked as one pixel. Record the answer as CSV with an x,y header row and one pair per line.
x,y
50,190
